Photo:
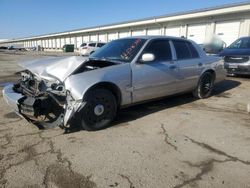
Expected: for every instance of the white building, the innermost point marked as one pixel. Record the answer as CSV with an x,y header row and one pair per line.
x,y
229,22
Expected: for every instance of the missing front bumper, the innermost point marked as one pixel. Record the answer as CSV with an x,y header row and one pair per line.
x,y
11,97
25,108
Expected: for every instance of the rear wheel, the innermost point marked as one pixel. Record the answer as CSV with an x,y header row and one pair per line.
x,y
99,111
205,86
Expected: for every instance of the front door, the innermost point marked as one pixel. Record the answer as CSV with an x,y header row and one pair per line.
x,y
157,78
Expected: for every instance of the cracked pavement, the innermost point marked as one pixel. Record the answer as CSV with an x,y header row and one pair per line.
x,y
174,142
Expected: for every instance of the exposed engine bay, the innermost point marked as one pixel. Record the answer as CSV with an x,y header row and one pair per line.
x,y
92,65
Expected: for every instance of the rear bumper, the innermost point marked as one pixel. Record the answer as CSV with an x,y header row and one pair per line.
x,y
11,97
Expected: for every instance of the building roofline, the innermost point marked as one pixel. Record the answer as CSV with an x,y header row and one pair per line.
x,y
165,15
120,24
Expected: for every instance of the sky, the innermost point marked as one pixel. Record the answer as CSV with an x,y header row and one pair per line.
x,y
24,18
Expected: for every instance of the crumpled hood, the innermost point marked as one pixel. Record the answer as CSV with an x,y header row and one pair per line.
x,y
56,67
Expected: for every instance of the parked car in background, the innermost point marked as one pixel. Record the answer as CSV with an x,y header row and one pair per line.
x,y
124,72
3,48
237,57
12,48
89,47
16,48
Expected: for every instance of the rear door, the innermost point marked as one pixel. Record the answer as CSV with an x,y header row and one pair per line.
x,y
157,78
189,62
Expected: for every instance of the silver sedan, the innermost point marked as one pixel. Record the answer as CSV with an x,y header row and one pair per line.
x,y
55,92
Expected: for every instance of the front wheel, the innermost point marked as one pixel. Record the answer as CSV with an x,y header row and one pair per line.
x,y
205,86
99,111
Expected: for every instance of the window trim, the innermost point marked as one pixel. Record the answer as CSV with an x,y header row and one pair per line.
x,y
149,43
185,41
194,49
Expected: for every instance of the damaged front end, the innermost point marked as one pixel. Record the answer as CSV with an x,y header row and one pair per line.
x,y
37,100
45,94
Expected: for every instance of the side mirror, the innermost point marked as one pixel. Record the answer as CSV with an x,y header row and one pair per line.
x,y
147,58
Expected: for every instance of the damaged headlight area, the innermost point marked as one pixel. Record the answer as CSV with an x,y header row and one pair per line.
x,y
72,106
43,101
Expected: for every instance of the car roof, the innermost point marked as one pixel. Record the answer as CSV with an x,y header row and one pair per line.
x,y
244,38
147,37
92,42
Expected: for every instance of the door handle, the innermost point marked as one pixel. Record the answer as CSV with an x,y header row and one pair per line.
x,y
172,67
200,64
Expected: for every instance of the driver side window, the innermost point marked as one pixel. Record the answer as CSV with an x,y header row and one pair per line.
x,y
161,50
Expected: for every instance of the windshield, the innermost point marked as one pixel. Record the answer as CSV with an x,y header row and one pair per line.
x,y
243,43
122,50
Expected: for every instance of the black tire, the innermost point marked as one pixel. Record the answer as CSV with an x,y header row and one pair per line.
x,y
99,111
205,86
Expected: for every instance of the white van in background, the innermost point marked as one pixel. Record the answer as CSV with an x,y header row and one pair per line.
x,y
89,47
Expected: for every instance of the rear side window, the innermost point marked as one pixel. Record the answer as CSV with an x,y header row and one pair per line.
x,y
161,49
100,45
182,50
193,50
92,44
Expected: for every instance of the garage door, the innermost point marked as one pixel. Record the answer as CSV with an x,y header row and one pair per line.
x,y
57,43
85,38
173,31
46,43
43,43
39,42
79,41
112,36
228,31
50,43
67,40
124,34
155,31
62,42
137,33
53,43
102,38
197,33
93,38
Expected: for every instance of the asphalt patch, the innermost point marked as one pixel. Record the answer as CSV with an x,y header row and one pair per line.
x,y
64,178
